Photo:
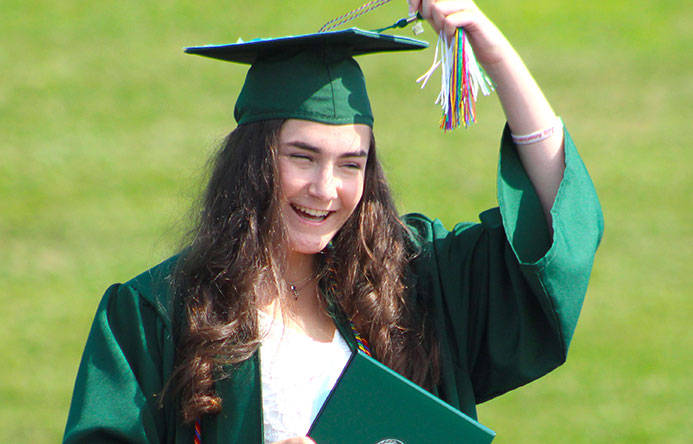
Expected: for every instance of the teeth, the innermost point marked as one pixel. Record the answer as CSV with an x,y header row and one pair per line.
x,y
311,212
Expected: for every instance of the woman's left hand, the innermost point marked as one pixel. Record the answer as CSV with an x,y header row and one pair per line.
x,y
490,46
525,107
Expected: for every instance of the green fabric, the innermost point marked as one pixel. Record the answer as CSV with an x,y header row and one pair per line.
x,y
353,40
505,307
310,77
323,85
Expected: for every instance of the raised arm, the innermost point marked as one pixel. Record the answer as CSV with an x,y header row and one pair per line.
x,y
526,109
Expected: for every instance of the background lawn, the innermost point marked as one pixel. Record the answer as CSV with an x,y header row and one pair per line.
x,y
106,126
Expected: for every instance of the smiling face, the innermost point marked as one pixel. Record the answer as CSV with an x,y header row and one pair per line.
x,y
321,171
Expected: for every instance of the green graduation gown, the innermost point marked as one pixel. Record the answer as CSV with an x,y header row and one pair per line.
x,y
504,296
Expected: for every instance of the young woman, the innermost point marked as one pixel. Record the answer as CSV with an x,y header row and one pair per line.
x,y
299,247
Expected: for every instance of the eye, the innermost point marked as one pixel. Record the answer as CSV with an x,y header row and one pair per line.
x,y
301,157
353,165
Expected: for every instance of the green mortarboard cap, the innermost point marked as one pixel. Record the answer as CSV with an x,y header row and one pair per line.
x,y
309,77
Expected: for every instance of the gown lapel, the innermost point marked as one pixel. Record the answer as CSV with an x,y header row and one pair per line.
x,y
240,419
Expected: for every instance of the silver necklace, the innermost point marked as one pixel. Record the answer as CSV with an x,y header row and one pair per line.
x,y
299,285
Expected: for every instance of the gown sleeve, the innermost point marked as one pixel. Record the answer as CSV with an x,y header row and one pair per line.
x,y
124,367
505,296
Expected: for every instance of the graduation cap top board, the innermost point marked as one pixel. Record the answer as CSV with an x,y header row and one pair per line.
x,y
310,77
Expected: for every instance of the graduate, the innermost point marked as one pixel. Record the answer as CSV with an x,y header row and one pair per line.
x,y
300,257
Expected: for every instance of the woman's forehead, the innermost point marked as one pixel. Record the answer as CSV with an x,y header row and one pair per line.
x,y
314,136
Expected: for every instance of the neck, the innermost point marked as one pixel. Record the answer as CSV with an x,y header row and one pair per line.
x,y
299,269
305,313
299,266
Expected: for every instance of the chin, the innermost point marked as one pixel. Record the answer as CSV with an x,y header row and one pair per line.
x,y
309,247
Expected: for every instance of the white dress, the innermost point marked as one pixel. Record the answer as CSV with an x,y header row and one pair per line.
x,y
297,375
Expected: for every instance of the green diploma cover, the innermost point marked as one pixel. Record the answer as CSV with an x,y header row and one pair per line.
x,y
371,404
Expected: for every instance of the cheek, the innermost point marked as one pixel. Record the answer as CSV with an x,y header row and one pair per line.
x,y
355,194
289,181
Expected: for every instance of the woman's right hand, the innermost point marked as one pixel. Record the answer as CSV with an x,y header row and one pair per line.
x,y
296,440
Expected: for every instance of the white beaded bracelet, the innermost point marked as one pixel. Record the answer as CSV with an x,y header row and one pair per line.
x,y
540,135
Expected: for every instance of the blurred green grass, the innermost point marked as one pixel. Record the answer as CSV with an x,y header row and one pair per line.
x,y
106,127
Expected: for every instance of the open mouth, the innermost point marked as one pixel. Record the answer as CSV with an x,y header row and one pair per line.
x,y
310,214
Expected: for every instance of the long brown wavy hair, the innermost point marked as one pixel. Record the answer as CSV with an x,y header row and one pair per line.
x,y
232,252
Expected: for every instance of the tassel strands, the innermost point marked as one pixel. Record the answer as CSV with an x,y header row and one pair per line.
x,y
198,433
462,78
361,342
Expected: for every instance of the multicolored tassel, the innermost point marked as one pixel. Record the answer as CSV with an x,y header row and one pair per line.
x,y
361,343
462,77
198,432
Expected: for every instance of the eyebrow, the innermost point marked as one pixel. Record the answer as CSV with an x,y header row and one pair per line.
x,y
316,150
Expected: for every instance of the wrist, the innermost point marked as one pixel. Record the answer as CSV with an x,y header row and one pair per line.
x,y
538,135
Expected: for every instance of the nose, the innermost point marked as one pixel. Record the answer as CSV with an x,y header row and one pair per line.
x,y
325,184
